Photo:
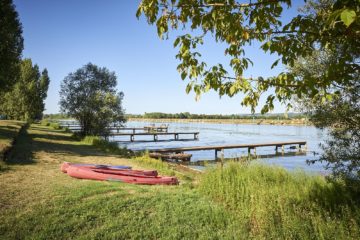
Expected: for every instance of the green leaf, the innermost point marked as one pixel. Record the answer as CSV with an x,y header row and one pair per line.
x,y
183,75
275,63
188,88
232,90
138,12
176,42
348,17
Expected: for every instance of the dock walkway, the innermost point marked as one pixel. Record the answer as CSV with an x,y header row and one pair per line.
x,y
222,147
155,135
75,127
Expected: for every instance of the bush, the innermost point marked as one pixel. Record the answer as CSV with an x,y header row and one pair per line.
x,y
55,126
44,122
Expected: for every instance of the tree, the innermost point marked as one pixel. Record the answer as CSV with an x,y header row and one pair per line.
x,y
11,45
237,25
337,108
89,95
339,114
25,101
42,86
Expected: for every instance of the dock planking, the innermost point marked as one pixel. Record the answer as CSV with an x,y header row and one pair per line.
x,y
222,147
155,135
118,129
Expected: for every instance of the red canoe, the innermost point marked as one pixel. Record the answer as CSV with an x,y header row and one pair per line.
x,y
88,173
111,170
65,165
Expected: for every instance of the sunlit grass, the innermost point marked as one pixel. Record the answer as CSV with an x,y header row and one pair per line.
x,y
274,203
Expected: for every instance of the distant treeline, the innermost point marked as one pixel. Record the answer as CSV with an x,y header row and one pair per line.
x,y
56,116
187,115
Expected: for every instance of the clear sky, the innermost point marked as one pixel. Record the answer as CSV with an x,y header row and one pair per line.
x,y
64,35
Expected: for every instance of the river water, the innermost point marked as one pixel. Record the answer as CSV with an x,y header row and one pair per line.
x,y
226,134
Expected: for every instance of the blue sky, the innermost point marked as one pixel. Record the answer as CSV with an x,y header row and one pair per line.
x,y
64,35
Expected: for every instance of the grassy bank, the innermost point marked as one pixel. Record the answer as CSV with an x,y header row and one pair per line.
x,y
273,203
9,130
292,122
37,201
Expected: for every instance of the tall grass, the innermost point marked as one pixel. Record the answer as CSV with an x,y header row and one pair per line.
x,y
274,203
106,146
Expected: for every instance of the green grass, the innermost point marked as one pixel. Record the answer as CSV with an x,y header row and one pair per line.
x,y
106,146
240,201
273,203
9,130
117,211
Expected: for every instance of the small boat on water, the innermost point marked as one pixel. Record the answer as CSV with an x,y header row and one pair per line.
x,y
171,156
148,177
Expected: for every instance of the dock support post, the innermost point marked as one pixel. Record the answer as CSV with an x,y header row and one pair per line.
x,y
282,149
131,138
216,154
176,136
155,137
222,158
134,130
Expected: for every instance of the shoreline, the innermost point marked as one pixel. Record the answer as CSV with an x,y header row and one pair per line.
x,y
289,122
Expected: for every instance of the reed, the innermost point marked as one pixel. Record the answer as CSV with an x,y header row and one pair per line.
x,y
275,203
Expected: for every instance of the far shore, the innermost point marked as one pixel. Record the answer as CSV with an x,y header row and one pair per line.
x,y
287,122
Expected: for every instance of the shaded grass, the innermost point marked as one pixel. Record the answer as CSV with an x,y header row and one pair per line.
x,y
9,130
273,203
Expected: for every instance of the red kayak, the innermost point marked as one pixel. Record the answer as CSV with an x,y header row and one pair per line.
x,y
88,173
65,165
111,170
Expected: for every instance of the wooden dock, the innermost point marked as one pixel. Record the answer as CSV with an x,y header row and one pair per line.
x,y
155,135
118,129
221,148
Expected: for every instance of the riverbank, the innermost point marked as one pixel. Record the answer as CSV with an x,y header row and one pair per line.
x,y
237,202
286,122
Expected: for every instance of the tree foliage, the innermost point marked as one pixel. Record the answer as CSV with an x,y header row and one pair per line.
x,y
11,45
89,95
337,108
339,114
236,25
25,101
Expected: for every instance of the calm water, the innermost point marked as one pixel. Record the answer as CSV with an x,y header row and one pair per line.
x,y
224,134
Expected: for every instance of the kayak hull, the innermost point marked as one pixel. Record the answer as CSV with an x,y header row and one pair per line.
x,y
65,165
87,173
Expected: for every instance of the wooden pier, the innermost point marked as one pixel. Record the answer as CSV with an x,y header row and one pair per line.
x,y
155,135
221,148
76,127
